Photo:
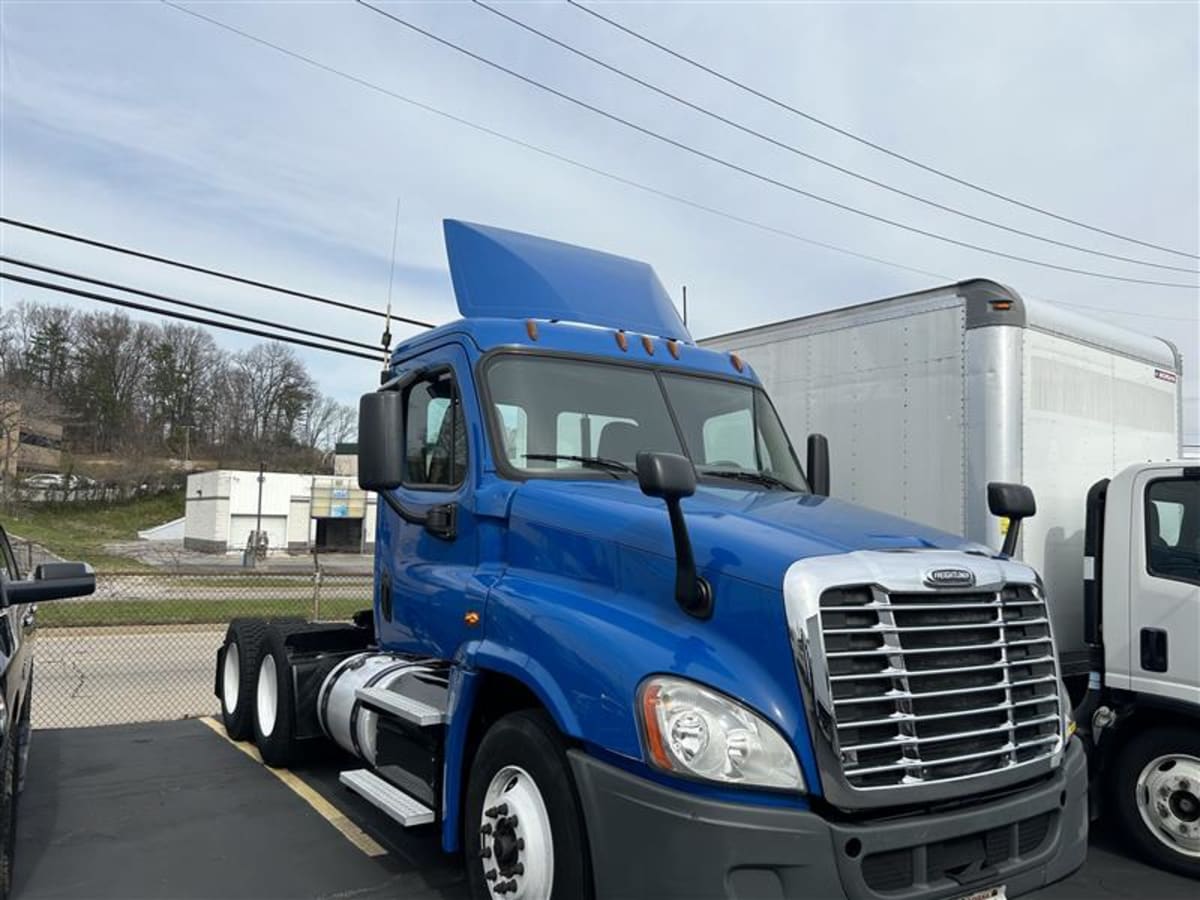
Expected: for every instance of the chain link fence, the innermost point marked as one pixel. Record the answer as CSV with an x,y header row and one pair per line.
x,y
143,647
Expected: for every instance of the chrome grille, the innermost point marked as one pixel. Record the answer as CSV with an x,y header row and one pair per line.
x,y
932,686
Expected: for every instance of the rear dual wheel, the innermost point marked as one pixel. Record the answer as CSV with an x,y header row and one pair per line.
x,y
244,642
274,707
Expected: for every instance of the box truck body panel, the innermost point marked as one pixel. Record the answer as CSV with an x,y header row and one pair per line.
x,y
927,397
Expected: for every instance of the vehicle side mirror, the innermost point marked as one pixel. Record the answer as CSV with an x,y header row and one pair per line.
x,y
380,440
666,475
52,581
673,477
1014,502
818,464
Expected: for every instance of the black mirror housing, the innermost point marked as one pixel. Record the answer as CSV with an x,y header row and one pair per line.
x,y
665,475
1014,501
817,468
673,477
52,581
380,440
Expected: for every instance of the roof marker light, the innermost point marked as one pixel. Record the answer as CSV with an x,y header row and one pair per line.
x,y
673,346
531,329
648,345
622,341
737,362
1000,305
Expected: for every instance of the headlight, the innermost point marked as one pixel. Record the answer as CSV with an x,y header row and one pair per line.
x,y
691,730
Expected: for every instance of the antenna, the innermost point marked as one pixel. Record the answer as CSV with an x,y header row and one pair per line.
x,y
386,339
685,306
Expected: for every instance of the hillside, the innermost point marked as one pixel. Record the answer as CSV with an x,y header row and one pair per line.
x,y
80,531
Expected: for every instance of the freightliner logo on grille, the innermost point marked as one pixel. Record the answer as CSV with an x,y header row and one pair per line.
x,y
950,578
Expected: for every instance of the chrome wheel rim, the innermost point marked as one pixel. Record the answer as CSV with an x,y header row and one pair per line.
x,y
268,695
231,677
516,845
1168,798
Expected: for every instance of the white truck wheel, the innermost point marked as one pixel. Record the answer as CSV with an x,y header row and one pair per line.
x,y
1157,788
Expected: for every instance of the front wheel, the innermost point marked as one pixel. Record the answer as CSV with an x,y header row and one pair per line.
x,y
524,833
1158,797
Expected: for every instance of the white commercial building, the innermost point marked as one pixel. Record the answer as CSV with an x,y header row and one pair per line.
x,y
299,513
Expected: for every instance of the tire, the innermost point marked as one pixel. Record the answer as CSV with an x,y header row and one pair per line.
x,y
239,672
273,703
522,821
1157,802
8,815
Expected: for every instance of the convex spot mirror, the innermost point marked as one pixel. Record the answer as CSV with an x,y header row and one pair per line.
x,y
52,581
380,440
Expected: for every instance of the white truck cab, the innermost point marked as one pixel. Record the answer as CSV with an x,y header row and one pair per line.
x,y
1142,621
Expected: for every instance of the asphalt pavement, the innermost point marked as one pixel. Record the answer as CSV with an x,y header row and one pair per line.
x,y
173,811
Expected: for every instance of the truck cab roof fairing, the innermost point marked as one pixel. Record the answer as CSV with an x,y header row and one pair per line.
x,y
507,274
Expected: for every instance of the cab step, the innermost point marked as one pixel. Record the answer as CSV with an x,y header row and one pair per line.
x,y
402,707
383,795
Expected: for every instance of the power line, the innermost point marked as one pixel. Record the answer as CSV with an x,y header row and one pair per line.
x,y
792,148
526,145
868,143
550,154
179,264
129,304
766,179
62,273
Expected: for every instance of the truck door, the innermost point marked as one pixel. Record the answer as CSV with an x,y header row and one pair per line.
x,y
428,572
1165,584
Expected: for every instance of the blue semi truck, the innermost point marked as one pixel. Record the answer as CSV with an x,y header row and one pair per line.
x,y
624,645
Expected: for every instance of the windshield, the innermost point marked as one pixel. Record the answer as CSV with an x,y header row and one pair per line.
x,y
565,416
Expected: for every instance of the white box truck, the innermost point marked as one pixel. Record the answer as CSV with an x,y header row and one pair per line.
x,y
927,397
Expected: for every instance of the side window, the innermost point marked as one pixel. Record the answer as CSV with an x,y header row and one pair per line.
x,y
435,438
1173,528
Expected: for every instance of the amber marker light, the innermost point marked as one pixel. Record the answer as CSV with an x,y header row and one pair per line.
x,y
471,618
673,346
1000,305
654,738
622,341
648,345
737,362
531,329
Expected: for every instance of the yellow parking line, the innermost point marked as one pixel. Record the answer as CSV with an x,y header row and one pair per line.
x,y
323,807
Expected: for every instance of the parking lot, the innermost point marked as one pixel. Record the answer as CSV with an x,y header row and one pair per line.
x,y
174,810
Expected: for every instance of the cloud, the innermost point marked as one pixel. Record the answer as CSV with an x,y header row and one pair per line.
x,y
140,124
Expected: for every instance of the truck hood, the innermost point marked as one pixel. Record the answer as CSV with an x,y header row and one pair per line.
x,y
749,534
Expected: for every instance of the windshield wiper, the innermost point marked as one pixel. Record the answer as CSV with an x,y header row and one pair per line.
x,y
595,462
762,478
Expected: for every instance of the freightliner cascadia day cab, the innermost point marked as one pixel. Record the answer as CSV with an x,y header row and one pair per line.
x,y
927,397
624,645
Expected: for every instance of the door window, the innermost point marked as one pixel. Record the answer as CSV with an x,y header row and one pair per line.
x,y
435,440
1173,529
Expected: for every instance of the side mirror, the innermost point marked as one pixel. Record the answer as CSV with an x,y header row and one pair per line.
x,y
673,477
1014,502
380,440
818,464
52,581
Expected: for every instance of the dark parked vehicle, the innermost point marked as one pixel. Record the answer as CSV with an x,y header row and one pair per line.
x,y
18,603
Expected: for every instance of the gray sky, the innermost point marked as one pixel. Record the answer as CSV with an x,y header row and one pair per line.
x,y
138,124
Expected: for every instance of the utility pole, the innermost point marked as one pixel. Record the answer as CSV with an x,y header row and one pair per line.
x,y
258,517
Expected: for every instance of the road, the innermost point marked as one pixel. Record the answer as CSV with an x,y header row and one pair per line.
x,y
173,810
93,677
